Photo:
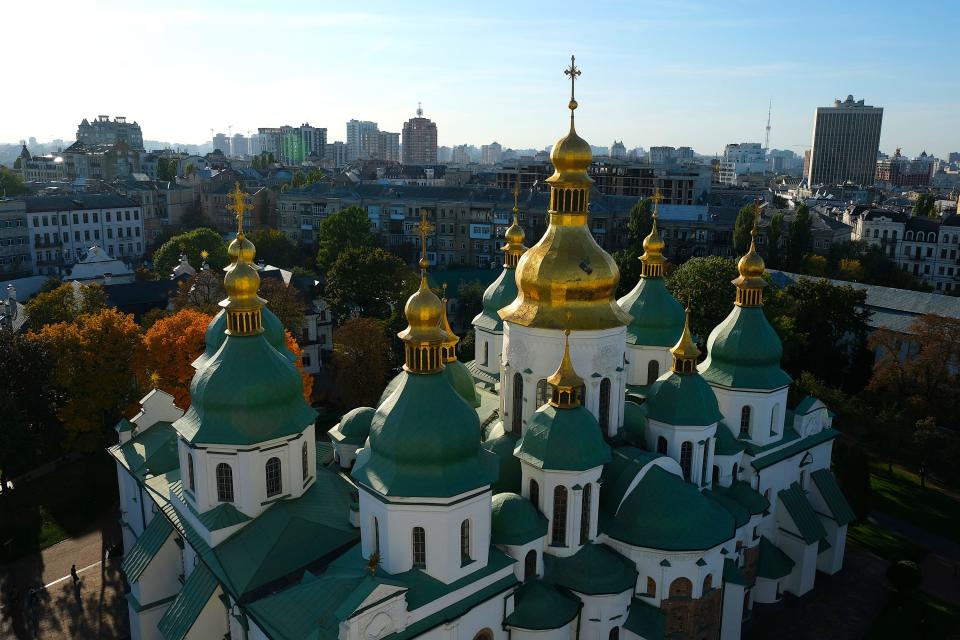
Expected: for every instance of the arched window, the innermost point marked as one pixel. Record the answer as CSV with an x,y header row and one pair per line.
x,y
559,537
707,584
605,405
653,371
376,536
517,422
735,472
716,475
465,541
686,459
909,235
486,353
274,481
706,457
651,588
775,420
614,634
224,475
681,588
534,493
419,548
585,514
304,460
543,392
662,445
484,634
530,565
745,421
193,484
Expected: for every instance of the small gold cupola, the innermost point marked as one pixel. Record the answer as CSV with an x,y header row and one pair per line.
x,y
450,342
652,259
750,284
243,305
423,338
685,352
514,235
565,384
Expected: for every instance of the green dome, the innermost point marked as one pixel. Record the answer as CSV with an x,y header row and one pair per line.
x,y
683,400
666,513
515,520
743,352
425,442
635,422
246,393
539,606
510,477
594,570
354,426
462,381
273,331
498,295
563,440
657,316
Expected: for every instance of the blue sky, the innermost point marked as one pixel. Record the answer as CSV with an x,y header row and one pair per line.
x,y
654,73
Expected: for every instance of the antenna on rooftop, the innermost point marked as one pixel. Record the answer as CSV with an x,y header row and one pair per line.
x,y
766,143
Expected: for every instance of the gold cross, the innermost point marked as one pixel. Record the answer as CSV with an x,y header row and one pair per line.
x,y
573,72
238,205
656,200
425,229
516,199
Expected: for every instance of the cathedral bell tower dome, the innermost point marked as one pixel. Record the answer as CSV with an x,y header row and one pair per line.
x,y
567,272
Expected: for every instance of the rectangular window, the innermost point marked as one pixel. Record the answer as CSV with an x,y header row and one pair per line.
x,y
107,214
86,218
419,548
36,221
96,217
76,219
76,236
63,220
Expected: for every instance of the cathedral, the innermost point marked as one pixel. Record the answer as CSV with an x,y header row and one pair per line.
x,y
589,475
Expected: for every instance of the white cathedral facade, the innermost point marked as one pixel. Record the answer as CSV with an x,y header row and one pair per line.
x,y
588,476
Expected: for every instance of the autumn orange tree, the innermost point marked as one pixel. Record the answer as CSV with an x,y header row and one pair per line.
x,y
169,347
306,377
93,371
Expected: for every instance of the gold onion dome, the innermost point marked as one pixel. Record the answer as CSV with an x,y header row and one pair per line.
x,y
652,259
567,271
565,384
750,283
451,339
514,235
685,352
243,305
423,336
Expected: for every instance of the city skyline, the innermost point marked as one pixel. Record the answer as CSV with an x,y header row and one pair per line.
x,y
654,73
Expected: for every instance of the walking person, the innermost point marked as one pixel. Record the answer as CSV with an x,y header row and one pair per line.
x,y
73,574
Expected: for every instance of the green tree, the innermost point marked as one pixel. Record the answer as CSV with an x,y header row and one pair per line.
x,y
285,302
11,183
314,176
166,169
191,244
774,237
799,238
298,179
852,468
367,282
742,228
202,292
344,229
63,304
360,361
274,248
469,302
639,226
704,283
925,206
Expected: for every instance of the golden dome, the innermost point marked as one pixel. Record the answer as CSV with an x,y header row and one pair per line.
x,y
565,383
750,283
241,248
424,312
653,246
451,340
685,352
514,233
571,153
423,338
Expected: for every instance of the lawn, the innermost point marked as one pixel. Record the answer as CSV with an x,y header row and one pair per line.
x,y
884,543
59,505
900,496
917,616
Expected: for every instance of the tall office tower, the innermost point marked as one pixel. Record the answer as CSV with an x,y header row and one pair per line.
x,y
363,140
419,140
388,146
846,138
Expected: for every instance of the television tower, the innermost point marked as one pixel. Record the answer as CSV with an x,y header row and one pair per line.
x,y
766,143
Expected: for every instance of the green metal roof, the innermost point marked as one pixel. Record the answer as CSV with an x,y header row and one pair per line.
x,y
354,426
751,499
743,352
563,440
425,442
222,516
645,620
462,380
682,400
246,393
498,295
123,425
664,512
617,476
595,569
539,606
511,476
733,574
515,520
657,316
635,422
725,443
740,515
801,512
805,405
799,446
772,563
182,613
837,503
215,336
150,452
148,545
756,450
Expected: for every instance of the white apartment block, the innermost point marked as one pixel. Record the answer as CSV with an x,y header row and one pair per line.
x,y
63,228
740,159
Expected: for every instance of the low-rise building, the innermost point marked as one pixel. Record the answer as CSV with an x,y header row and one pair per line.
x,y
15,256
163,202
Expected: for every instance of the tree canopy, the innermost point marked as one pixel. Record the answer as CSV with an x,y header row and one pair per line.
x,y
799,238
774,238
742,227
367,282
63,304
704,284
11,183
191,244
26,398
361,361
170,346
274,248
639,226
925,206
345,229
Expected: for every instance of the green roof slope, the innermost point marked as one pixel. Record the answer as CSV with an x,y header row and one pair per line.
x,y
646,620
635,422
539,606
354,426
617,476
685,400
515,521
657,316
802,513
751,499
151,452
837,503
772,563
743,352
182,613
798,446
595,569
462,380
563,440
726,444
215,336
511,476
498,295
148,545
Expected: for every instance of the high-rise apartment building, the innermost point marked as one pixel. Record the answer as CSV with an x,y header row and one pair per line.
x,y
103,130
388,146
239,146
491,153
741,158
291,145
419,140
846,138
363,140
221,142
618,151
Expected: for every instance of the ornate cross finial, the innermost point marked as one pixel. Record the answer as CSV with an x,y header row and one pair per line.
x,y
656,198
516,199
572,72
238,205
424,229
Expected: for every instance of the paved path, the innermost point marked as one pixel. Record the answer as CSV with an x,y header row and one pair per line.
x,y
94,607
